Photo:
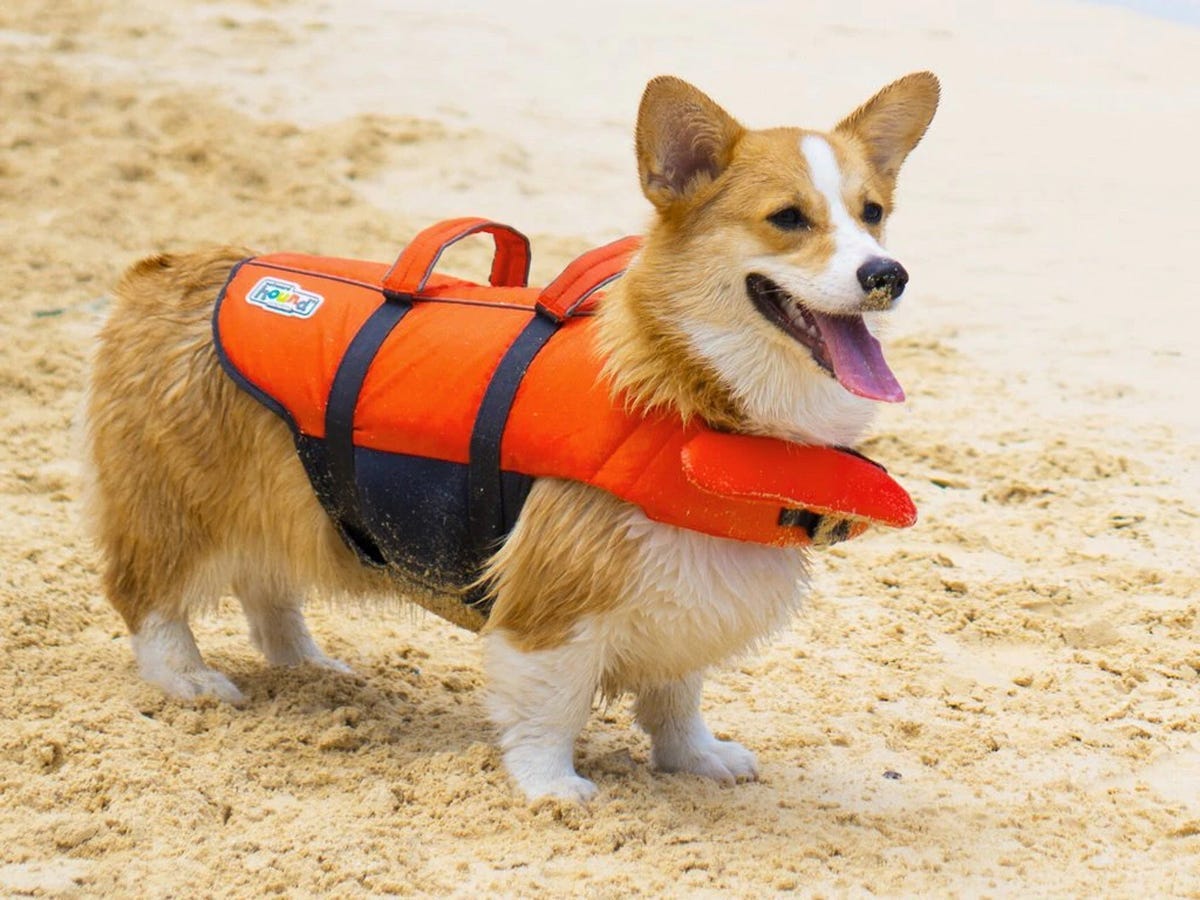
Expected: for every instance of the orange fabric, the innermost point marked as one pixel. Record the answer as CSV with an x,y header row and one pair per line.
x,y
423,390
414,265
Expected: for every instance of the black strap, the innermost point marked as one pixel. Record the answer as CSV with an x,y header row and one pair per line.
x,y
487,520
800,518
821,530
339,417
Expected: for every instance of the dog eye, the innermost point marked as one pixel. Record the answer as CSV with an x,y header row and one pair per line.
x,y
872,213
789,219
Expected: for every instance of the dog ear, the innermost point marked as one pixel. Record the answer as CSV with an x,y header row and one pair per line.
x,y
684,140
891,123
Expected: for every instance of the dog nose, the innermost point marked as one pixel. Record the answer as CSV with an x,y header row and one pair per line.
x,y
878,274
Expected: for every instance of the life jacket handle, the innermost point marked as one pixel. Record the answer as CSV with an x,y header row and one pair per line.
x,y
412,268
569,294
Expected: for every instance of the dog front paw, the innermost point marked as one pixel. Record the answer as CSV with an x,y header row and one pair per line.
x,y
727,762
321,661
570,788
540,774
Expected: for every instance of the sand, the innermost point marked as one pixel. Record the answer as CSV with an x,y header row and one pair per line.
x,y
1004,700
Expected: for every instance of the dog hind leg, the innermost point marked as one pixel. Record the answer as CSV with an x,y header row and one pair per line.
x,y
155,582
168,658
273,608
681,742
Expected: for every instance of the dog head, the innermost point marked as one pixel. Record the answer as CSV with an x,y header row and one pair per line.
x,y
766,255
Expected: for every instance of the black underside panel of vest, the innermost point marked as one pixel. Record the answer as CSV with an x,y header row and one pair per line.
x,y
414,511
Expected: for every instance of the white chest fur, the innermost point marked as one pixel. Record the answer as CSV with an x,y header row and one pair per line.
x,y
696,600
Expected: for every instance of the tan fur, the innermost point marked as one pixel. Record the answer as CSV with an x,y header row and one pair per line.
x,y
567,557
889,125
714,183
189,468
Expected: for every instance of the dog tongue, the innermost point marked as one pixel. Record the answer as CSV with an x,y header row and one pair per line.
x,y
857,358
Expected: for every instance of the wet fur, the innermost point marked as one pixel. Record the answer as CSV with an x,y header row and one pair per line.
x,y
197,488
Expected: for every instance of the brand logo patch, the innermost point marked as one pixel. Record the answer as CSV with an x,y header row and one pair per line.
x,y
284,297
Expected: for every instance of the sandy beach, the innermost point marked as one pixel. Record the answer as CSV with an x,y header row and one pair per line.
x,y
1002,701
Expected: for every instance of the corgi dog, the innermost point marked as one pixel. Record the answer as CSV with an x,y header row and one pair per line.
x,y
750,306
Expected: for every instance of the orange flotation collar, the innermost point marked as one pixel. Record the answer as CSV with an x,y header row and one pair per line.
x,y
375,367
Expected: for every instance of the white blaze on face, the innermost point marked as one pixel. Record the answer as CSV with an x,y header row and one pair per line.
x,y
835,288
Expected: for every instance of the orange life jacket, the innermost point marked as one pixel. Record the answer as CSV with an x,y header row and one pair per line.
x,y
423,406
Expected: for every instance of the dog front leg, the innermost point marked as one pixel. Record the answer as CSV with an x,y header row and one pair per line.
x,y
681,742
540,701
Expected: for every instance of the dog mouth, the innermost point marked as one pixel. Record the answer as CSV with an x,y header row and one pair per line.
x,y
841,345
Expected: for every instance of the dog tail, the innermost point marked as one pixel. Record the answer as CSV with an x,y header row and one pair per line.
x,y
185,281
